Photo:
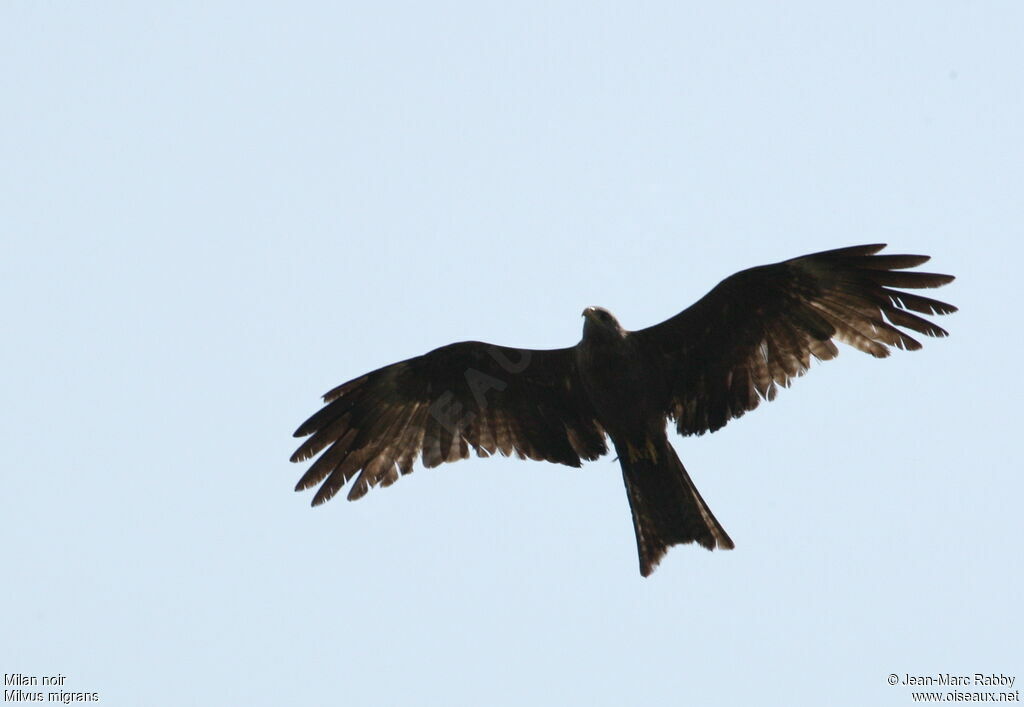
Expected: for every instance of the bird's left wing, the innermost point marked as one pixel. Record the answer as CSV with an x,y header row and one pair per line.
x,y
759,328
469,394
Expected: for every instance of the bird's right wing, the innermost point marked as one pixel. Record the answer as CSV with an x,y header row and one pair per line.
x,y
471,394
760,327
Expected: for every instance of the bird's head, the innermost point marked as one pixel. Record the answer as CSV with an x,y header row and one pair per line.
x,y
600,322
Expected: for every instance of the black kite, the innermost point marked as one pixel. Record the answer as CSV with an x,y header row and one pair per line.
x,y
711,363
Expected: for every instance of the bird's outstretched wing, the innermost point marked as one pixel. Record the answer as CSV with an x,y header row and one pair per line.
x,y
759,328
469,394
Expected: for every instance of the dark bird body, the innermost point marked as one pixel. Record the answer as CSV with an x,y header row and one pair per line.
x,y
624,386
755,331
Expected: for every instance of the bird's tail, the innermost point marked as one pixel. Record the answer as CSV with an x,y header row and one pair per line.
x,y
667,508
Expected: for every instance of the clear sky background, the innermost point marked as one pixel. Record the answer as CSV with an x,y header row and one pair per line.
x,y
214,212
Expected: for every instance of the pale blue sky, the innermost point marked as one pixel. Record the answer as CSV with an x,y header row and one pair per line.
x,y
214,212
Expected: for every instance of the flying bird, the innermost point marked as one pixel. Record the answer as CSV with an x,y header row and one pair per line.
x,y
709,364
